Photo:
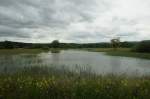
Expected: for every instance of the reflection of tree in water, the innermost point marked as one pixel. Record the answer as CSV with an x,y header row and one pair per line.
x,y
55,51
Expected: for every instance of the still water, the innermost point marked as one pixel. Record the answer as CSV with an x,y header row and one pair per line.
x,y
97,62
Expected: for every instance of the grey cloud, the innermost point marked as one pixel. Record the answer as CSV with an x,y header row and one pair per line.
x,y
12,32
52,19
46,12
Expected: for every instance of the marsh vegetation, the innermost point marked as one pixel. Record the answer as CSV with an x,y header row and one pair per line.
x,y
84,73
59,83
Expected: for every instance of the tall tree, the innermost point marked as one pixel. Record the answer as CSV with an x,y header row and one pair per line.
x,y
115,43
55,44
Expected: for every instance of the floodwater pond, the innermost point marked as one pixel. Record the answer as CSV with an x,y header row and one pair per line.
x,y
96,62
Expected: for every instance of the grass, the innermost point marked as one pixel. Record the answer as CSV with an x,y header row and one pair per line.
x,y
130,54
106,49
30,51
54,83
20,50
125,52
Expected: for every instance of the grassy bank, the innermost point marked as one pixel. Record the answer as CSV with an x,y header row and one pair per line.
x,y
126,52
30,51
20,50
130,54
107,49
53,83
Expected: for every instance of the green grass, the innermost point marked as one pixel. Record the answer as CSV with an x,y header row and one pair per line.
x,y
30,51
130,54
53,83
125,52
20,50
106,49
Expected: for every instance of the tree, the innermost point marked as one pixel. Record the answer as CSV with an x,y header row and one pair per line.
x,y
143,46
115,43
55,44
8,44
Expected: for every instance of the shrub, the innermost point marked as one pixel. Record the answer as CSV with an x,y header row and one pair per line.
x,y
55,44
143,46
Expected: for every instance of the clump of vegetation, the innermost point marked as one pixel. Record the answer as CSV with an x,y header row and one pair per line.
x,y
55,44
115,43
143,46
54,83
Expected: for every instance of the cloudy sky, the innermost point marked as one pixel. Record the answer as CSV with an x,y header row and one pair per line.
x,y
77,21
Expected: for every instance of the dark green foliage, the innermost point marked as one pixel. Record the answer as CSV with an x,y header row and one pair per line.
x,y
143,46
55,44
8,44
127,44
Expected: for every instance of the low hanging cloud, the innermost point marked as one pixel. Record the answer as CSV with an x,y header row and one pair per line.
x,y
74,20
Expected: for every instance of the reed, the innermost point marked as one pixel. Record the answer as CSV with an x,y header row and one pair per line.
x,y
62,83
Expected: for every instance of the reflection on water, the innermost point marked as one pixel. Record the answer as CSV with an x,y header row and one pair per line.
x,y
96,61
55,58
55,51
115,65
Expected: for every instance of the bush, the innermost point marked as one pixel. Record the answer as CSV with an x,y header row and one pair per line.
x,y
143,46
55,44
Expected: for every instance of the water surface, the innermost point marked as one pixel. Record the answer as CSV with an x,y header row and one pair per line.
x,y
96,62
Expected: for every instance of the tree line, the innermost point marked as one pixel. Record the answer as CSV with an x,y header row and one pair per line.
x,y
57,44
143,47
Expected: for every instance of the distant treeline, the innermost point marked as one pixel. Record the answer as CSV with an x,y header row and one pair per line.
x,y
57,44
142,47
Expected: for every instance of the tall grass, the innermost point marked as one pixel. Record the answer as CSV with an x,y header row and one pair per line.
x,y
61,83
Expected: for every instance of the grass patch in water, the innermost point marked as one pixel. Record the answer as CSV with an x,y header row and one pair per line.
x,y
106,49
20,50
129,54
126,52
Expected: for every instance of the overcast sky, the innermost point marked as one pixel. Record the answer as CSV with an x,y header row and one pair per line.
x,y
77,21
